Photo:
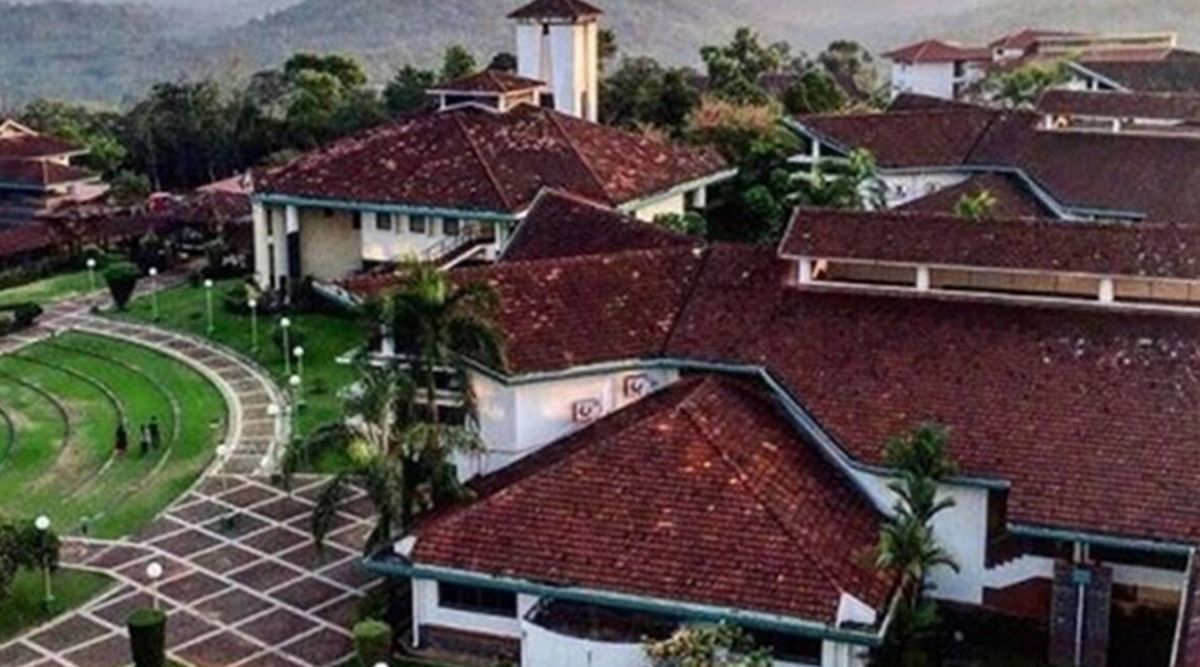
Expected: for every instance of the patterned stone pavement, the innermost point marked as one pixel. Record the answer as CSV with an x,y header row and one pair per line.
x,y
253,591
256,592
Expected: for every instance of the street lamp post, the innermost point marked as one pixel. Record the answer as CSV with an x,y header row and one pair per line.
x,y
154,292
294,382
298,352
91,267
208,288
286,324
223,453
253,303
154,572
42,523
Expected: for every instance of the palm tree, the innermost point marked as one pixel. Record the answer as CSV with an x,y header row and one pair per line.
x,y
852,184
392,426
907,544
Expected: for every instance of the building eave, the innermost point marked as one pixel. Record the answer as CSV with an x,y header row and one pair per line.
x,y
276,199
667,607
676,190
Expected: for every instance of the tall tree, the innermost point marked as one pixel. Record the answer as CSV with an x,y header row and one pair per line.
x,y
735,70
643,92
853,67
406,92
457,62
97,131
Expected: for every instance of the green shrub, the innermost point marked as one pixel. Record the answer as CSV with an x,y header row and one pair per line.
x,y
148,637
122,279
18,316
373,640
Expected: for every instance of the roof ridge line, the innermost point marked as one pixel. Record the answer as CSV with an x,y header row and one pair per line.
x,y
579,154
687,299
685,407
487,169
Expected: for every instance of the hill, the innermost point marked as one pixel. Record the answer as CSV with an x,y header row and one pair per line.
x,y
112,51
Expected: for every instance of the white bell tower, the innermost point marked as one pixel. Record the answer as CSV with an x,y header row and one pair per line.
x,y
558,42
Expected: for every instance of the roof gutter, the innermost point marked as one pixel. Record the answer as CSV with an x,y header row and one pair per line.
x,y
1186,609
665,607
268,198
1100,539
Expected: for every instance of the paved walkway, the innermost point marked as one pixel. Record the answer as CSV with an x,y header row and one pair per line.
x,y
256,592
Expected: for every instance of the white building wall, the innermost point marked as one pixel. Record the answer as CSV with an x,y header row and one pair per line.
x,y
427,611
517,420
901,189
670,205
961,530
834,654
936,79
401,242
544,648
270,238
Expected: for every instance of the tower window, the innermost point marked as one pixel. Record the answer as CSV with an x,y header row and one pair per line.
x,y
545,28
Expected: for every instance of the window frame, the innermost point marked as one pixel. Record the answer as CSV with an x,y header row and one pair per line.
x,y
458,226
477,600
418,224
384,222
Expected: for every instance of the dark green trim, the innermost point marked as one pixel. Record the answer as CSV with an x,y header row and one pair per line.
x,y
651,605
1098,539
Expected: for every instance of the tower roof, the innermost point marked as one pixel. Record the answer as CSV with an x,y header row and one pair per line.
x,y
556,9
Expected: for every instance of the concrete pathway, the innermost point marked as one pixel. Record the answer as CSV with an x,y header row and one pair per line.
x,y
253,592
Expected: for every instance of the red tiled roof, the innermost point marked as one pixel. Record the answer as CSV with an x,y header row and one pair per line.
x,y
40,173
1136,173
490,81
906,138
937,51
1173,71
920,102
555,9
644,503
1013,197
1089,414
577,311
30,146
473,159
1025,39
1161,106
560,225
1137,249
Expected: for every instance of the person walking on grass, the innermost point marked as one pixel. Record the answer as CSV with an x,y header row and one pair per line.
x,y
122,440
155,434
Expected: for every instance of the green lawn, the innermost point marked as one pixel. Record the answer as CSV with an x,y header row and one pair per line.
x,y
64,399
24,608
324,338
54,288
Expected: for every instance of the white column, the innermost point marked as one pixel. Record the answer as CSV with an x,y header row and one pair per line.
x,y
1108,291
805,271
262,263
700,200
922,278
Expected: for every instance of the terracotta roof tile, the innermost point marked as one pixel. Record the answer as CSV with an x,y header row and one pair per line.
x,y
30,146
1013,197
644,502
937,51
39,173
906,138
1160,106
473,159
1126,249
1089,414
561,225
490,81
1173,71
555,9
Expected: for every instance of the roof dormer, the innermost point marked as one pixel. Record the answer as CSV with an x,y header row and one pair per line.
x,y
492,89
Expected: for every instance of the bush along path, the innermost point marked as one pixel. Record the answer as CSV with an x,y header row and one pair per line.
x,y
243,583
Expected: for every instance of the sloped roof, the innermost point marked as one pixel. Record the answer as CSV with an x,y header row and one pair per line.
x,y
645,502
490,81
1127,249
1013,197
942,136
1025,39
561,225
1159,106
937,51
39,173
1160,71
1088,414
31,146
555,9
473,159
28,238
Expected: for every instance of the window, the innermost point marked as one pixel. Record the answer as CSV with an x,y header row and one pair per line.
x,y
418,224
357,220
451,226
270,222
328,212
477,600
545,28
383,222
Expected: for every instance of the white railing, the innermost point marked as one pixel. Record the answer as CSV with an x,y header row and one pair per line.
x,y
546,648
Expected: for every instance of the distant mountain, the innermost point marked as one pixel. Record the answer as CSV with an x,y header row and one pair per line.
x,y
111,52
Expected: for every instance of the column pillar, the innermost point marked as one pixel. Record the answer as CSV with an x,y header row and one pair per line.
x,y
1108,291
922,278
